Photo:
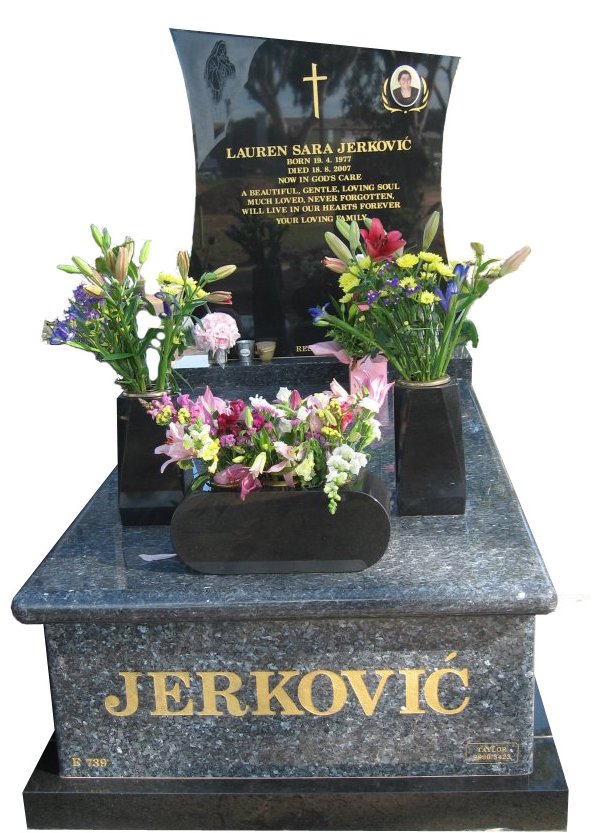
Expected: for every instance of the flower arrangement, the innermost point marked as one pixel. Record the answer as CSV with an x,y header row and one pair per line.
x,y
216,332
316,441
410,307
102,317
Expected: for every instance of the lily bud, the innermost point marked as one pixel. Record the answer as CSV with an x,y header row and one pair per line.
x,y
258,466
512,263
82,266
248,417
121,264
144,252
354,236
431,229
97,235
130,247
333,263
218,298
94,290
337,247
66,267
343,227
105,238
97,278
478,249
111,261
183,264
224,272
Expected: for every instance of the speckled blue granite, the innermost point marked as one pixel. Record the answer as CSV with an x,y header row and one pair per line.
x,y
85,660
467,584
484,562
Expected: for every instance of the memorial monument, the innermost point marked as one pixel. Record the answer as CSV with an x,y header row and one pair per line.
x,y
398,697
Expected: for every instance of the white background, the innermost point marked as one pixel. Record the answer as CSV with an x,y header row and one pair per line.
x,y
96,129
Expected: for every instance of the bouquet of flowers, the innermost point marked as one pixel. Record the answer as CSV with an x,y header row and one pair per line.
x,y
102,317
410,307
316,441
216,332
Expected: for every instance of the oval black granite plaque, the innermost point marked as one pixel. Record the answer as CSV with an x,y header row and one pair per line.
x,y
283,531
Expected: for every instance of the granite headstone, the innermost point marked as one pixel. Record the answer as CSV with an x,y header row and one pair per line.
x,y
287,137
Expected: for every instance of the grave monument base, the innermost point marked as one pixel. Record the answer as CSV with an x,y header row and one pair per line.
x,y
532,802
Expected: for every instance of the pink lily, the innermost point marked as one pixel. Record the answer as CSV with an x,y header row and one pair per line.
x,y
174,447
340,393
377,391
335,264
231,476
210,405
381,245
295,400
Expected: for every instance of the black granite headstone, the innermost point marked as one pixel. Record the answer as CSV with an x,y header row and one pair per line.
x,y
290,135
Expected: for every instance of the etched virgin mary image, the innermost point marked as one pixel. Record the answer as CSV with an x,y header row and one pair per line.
x,y
406,86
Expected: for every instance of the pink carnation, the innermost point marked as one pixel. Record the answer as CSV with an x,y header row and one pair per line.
x,y
217,329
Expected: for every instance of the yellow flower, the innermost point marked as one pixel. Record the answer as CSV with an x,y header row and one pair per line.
x,y
210,450
408,283
345,299
430,257
427,297
306,469
444,270
184,416
200,294
165,278
407,261
347,282
171,289
330,432
164,418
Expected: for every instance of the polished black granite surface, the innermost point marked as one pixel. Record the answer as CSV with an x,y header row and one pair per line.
x,y
533,802
484,561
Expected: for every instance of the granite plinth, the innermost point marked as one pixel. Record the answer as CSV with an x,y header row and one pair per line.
x,y
533,802
423,663
313,698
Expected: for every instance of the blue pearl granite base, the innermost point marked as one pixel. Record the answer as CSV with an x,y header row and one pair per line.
x,y
300,698
421,664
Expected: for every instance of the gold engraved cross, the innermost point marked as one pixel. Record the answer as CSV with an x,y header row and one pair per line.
x,y
315,79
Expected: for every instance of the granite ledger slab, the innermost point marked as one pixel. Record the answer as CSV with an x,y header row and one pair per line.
x,y
420,665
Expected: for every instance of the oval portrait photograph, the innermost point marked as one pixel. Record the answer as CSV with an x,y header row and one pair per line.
x,y
406,86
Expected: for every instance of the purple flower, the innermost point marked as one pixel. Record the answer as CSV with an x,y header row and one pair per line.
x,y
62,332
408,292
169,305
372,296
226,440
461,270
446,297
317,312
394,282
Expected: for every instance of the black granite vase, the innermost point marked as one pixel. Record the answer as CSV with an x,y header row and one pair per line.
x,y
145,495
278,530
430,462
